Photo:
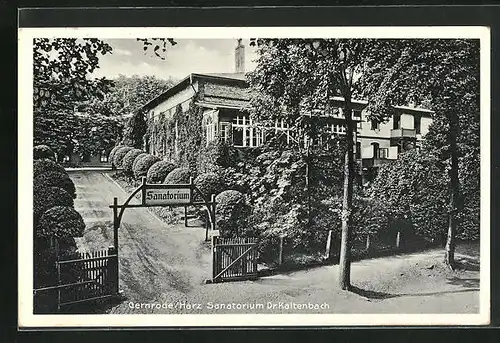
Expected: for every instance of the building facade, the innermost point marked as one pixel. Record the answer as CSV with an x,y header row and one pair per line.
x,y
225,98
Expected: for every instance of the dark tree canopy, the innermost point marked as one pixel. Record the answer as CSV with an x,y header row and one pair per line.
x,y
60,70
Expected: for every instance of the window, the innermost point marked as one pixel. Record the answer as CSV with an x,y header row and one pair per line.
x,y
396,121
375,124
66,158
338,129
104,156
416,124
376,151
237,136
210,130
176,138
383,153
225,131
282,128
153,140
245,133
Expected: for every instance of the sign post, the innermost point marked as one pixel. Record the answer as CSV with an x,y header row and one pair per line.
x,y
163,195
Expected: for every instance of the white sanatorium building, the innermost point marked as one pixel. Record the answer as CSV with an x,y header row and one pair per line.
x,y
225,100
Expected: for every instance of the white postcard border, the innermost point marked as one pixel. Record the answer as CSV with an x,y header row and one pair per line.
x,y
25,173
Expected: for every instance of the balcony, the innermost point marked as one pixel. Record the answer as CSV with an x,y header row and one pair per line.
x,y
372,158
403,133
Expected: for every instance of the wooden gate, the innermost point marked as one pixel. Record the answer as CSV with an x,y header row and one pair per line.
x,y
92,276
234,259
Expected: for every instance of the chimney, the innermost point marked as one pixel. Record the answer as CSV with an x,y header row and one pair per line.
x,y
239,57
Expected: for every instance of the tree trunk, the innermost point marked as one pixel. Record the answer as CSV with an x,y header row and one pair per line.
x,y
449,257
345,244
308,186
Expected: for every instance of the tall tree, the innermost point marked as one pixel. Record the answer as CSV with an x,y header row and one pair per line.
x,y
128,94
61,67
159,46
294,77
445,73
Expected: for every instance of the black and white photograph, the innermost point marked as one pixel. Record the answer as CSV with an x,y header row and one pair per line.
x,y
254,176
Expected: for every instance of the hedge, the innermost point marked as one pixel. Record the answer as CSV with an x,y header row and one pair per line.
x,y
128,160
56,179
231,213
119,155
113,151
159,171
43,166
45,198
43,151
143,165
178,175
60,222
137,159
209,183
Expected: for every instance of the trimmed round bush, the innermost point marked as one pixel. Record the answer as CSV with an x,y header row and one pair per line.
x,y
119,155
45,198
209,183
43,151
113,151
159,171
137,159
128,160
56,179
60,222
143,165
178,175
231,213
43,166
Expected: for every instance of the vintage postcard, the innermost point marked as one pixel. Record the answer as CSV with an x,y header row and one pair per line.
x,y
285,176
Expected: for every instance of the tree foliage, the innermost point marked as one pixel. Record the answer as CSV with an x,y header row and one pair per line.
x,y
159,171
295,80
45,198
134,131
138,159
52,178
128,95
43,151
159,46
445,73
96,134
60,71
128,160
413,190
119,155
113,151
231,213
142,166
45,165
209,183
178,175
60,222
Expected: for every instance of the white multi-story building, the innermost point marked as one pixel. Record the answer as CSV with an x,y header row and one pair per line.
x,y
225,100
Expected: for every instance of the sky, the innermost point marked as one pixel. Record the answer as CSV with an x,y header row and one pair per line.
x,y
187,56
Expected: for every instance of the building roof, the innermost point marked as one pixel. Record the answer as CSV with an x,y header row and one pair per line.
x,y
413,109
234,93
236,78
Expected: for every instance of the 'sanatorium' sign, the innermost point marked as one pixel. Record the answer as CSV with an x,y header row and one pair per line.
x,y
167,196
